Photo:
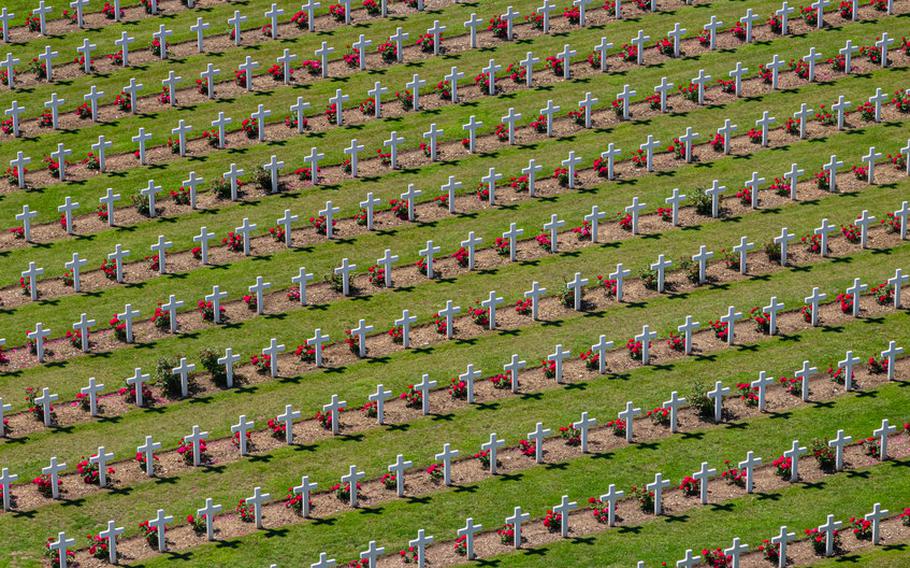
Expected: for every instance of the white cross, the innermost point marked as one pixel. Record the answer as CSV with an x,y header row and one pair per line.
x,y
882,434
161,35
236,21
686,329
730,319
711,27
792,178
4,408
793,454
903,213
304,490
386,262
45,400
743,249
288,417
62,544
215,297
379,397
883,44
101,460
703,476
310,6
553,226
490,179
450,187
717,395
273,350
324,561
512,367
847,365
869,159
323,54
352,478
159,523
446,456
244,230
516,520
674,404
535,293
890,354
53,470
91,391
610,498
32,275
136,382
140,138
877,99
10,63
353,151
875,517
208,513
318,339
195,439
82,327
839,443
563,509
628,416
19,163
100,148
471,126
398,469
345,271
658,486
286,221
557,357
376,93
468,532
577,285
203,239
228,360
645,337
660,267
819,7
601,348
702,259
490,71
781,541
184,370
409,196
257,500
897,281
110,534
619,275
301,280
5,17
855,291
840,108
824,230
259,288
39,334
784,14
372,554
453,77
15,110
510,119
433,135
436,31
831,167
360,332
830,528
171,307
810,59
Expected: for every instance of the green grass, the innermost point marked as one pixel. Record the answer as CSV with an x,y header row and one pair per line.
x,y
450,118
489,500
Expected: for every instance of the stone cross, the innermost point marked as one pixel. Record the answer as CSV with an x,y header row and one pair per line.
x,y
195,439
446,456
702,258
660,267
273,350
317,340
703,476
468,532
91,391
645,337
611,497
830,527
749,464
310,6
436,31
628,416
742,249
784,14
634,210
39,334
453,77
323,54
136,382
53,470
32,275
301,280
840,108
14,111
352,478
208,513
62,544
245,229
45,401
674,404
793,454
5,17
686,329
449,312
824,230
101,459
141,138
512,367
897,281
433,135
287,418
228,360
601,348
516,520
810,59
424,387
257,500
563,509
725,131
324,562
184,370
159,523
730,318
398,469
717,395
869,159
781,541
471,126
110,534
510,119
18,164
883,44
619,275
534,294
648,147
304,490
557,357
875,517
839,443
409,197
855,291
286,222
662,89
882,434
711,28
890,354
658,486
577,285
100,148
